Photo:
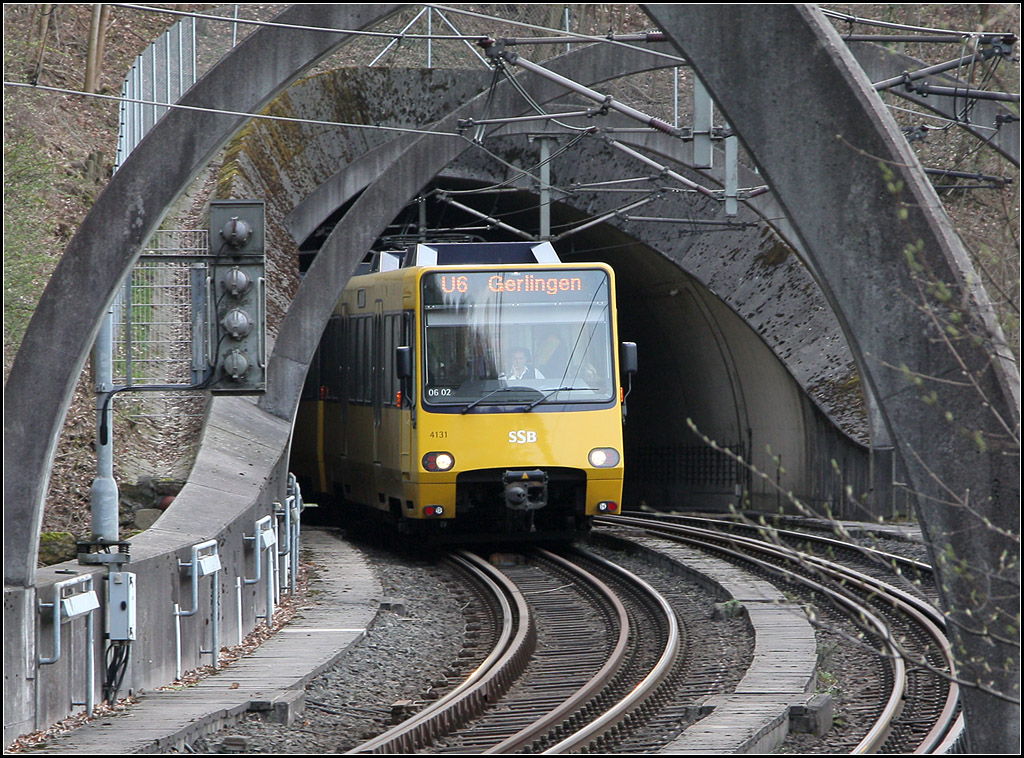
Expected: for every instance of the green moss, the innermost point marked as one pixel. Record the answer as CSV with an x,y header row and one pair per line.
x,y
775,255
56,547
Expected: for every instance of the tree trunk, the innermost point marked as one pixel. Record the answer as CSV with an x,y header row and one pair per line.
x,y
97,43
45,12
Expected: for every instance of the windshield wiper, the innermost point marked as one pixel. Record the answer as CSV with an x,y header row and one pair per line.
x,y
549,393
489,394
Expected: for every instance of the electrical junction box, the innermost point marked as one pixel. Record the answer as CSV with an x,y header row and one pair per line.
x,y
121,606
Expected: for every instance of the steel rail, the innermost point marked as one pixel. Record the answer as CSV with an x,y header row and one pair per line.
x,y
923,614
647,686
929,619
948,724
879,732
453,711
898,563
574,703
488,682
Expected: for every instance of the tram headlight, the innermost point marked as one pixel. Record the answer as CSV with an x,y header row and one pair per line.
x,y
438,461
603,457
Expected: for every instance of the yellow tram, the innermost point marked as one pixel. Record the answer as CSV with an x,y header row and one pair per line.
x,y
470,391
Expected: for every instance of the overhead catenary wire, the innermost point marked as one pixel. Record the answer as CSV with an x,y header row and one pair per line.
x,y
966,38
221,111
906,27
395,36
564,35
295,27
331,123
946,121
523,172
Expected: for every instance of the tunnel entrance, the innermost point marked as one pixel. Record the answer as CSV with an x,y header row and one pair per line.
x,y
715,419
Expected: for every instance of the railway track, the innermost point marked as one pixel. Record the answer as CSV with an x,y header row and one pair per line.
x,y
572,653
908,574
920,712
586,643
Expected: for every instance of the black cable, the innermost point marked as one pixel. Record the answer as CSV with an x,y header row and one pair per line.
x,y
117,666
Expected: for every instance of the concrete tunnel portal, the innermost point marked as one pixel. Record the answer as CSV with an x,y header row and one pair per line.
x,y
756,357
705,373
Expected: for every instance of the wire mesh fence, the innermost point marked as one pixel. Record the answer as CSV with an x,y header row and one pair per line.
x,y
165,70
154,322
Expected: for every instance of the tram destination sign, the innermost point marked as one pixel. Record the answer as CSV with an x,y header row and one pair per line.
x,y
534,286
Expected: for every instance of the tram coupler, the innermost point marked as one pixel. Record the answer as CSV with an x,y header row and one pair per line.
x,y
525,490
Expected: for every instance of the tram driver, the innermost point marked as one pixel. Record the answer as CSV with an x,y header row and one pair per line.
x,y
521,367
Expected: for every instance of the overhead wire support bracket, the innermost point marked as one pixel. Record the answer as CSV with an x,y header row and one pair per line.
x,y
665,170
946,35
948,38
988,181
484,217
909,76
727,224
469,123
925,89
563,39
496,49
617,213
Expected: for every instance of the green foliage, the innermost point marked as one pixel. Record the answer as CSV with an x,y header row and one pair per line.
x,y
28,228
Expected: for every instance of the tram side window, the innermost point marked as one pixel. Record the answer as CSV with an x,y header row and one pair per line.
x,y
351,368
392,325
359,353
388,358
396,334
331,357
366,357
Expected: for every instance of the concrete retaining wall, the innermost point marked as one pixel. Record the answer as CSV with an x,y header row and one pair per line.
x,y
240,472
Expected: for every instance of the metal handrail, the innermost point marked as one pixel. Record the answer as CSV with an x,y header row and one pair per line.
x,y
65,608
200,566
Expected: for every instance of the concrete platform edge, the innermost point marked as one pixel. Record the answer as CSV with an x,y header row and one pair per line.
x,y
344,605
755,717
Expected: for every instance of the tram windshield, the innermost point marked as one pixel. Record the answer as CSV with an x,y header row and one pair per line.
x,y
519,339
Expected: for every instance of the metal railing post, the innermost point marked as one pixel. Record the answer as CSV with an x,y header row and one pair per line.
x,y
264,539
207,564
67,606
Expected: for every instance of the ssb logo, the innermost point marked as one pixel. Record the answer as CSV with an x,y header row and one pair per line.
x,y
522,436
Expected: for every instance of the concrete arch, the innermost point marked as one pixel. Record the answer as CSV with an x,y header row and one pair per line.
x,y
131,207
814,358
749,285
875,295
